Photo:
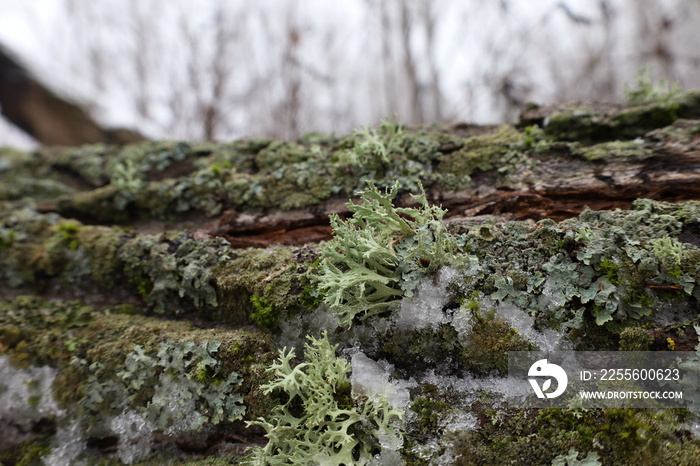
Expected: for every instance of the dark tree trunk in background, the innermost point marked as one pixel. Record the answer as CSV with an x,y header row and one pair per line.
x,y
47,117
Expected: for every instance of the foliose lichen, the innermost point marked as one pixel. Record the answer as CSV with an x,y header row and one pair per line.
x,y
174,264
177,390
612,265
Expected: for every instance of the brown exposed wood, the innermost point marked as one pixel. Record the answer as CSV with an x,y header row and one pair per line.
x,y
558,191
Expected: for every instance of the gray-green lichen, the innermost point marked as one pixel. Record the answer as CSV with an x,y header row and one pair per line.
x,y
177,390
172,273
318,420
436,307
171,180
612,266
380,254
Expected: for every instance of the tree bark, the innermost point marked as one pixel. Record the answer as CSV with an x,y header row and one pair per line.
x,y
163,268
47,117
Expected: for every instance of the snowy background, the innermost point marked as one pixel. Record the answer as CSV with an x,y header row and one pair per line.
x,y
225,69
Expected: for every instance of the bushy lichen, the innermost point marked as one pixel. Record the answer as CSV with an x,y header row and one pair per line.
x,y
317,420
644,90
380,254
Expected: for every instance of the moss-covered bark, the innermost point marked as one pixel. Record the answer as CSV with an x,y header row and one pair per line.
x,y
128,272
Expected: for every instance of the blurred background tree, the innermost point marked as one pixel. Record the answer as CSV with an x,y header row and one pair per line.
x,y
224,69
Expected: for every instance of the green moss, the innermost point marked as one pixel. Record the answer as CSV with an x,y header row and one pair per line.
x,y
68,232
265,313
430,407
420,350
27,453
10,335
519,436
486,348
589,125
277,276
619,436
7,239
480,153
626,150
635,339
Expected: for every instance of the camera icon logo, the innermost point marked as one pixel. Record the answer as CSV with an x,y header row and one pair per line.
x,y
542,368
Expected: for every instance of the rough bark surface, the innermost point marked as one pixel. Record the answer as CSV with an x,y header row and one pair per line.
x,y
161,274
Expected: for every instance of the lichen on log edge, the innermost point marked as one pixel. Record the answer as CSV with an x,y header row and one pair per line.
x,y
148,289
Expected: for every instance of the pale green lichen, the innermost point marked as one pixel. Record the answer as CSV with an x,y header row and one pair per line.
x,y
388,154
380,254
317,420
128,180
643,89
374,146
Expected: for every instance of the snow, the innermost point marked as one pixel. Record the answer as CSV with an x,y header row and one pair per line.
x,y
25,398
134,436
424,309
70,444
373,380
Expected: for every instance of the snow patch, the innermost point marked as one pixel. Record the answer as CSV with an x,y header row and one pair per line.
x,y
134,434
25,398
70,443
293,332
372,379
387,458
468,386
524,324
424,308
463,321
